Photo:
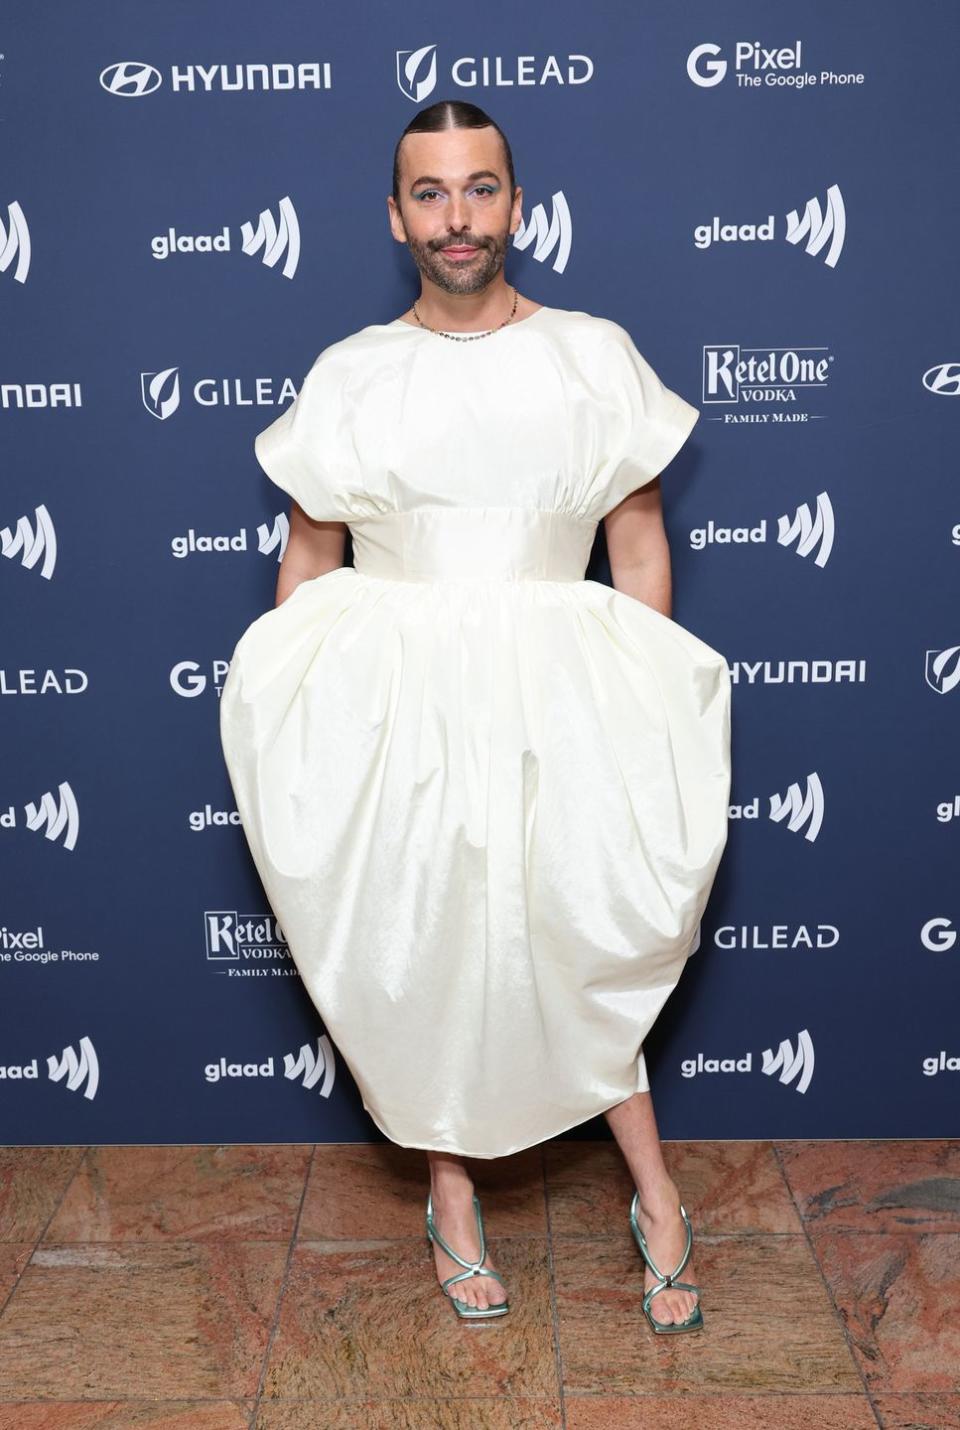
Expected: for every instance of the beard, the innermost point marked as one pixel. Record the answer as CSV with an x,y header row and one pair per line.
x,y
464,277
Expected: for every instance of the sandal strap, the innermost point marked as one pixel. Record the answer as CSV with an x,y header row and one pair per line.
x,y
474,1268
670,1278
475,1271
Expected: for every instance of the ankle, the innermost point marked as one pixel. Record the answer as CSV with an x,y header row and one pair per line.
x,y
658,1198
450,1183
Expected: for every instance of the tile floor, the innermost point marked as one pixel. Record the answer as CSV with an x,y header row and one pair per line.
x,y
291,1287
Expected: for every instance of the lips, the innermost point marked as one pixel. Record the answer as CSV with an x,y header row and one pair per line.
x,y
459,250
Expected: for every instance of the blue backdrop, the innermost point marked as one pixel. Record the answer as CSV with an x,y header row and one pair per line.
x,y
193,205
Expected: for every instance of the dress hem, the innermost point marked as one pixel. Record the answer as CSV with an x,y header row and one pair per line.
x,y
510,1151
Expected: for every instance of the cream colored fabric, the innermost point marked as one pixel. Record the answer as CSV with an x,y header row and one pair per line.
x,y
486,797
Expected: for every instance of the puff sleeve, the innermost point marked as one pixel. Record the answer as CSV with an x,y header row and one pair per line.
x,y
292,449
651,424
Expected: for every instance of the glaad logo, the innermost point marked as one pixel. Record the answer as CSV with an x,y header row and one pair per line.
x,y
790,1064
812,533
271,540
785,1061
306,1067
31,543
734,374
417,71
943,1062
199,820
938,934
756,67
547,236
944,379
815,226
57,815
798,672
132,79
799,808
79,1070
277,239
15,243
942,669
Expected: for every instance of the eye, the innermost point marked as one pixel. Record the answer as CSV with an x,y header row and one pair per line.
x,y
424,192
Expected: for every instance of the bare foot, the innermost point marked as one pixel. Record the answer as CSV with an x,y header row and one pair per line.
x,y
454,1219
666,1235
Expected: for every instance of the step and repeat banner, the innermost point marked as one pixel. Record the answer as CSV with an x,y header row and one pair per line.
x,y
192,206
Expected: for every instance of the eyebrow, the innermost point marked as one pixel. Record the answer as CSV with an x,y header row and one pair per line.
x,y
477,174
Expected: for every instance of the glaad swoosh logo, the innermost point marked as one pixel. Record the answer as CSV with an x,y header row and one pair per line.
x,y
275,238
33,543
15,243
800,808
548,235
810,531
790,1064
153,386
409,63
55,817
817,226
130,79
311,1067
944,379
273,538
942,669
78,1069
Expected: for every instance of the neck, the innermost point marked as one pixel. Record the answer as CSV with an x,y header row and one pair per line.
x,y
467,312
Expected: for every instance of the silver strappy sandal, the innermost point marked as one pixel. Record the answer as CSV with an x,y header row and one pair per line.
x,y
473,1268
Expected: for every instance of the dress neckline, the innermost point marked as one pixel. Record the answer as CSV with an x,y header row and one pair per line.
x,y
402,323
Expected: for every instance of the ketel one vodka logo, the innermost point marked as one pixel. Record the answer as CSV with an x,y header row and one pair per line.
x,y
276,239
243,939
27,544
737,376
791,1066
311,1069
815,228
942,669
15,243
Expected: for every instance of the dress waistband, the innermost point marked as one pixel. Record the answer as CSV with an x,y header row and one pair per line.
x,y
473,543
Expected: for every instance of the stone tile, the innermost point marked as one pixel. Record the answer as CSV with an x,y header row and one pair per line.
x,y
719,1412
367,1320
918,1412
183,1193
469,1414
724,1186
14,1256
126,1415
359,1192
178,1320
898,1295
768,1321
875,1186
32,1181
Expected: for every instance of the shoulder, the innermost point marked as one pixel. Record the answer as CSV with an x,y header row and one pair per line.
x,y
589,329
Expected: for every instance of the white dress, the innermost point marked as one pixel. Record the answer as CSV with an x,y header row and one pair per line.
x,y
486,798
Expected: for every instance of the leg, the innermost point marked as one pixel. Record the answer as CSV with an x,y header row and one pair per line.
x,y
452,1190
634,1126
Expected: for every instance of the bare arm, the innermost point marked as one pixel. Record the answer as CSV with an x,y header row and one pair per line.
x,y
638,548
313,548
